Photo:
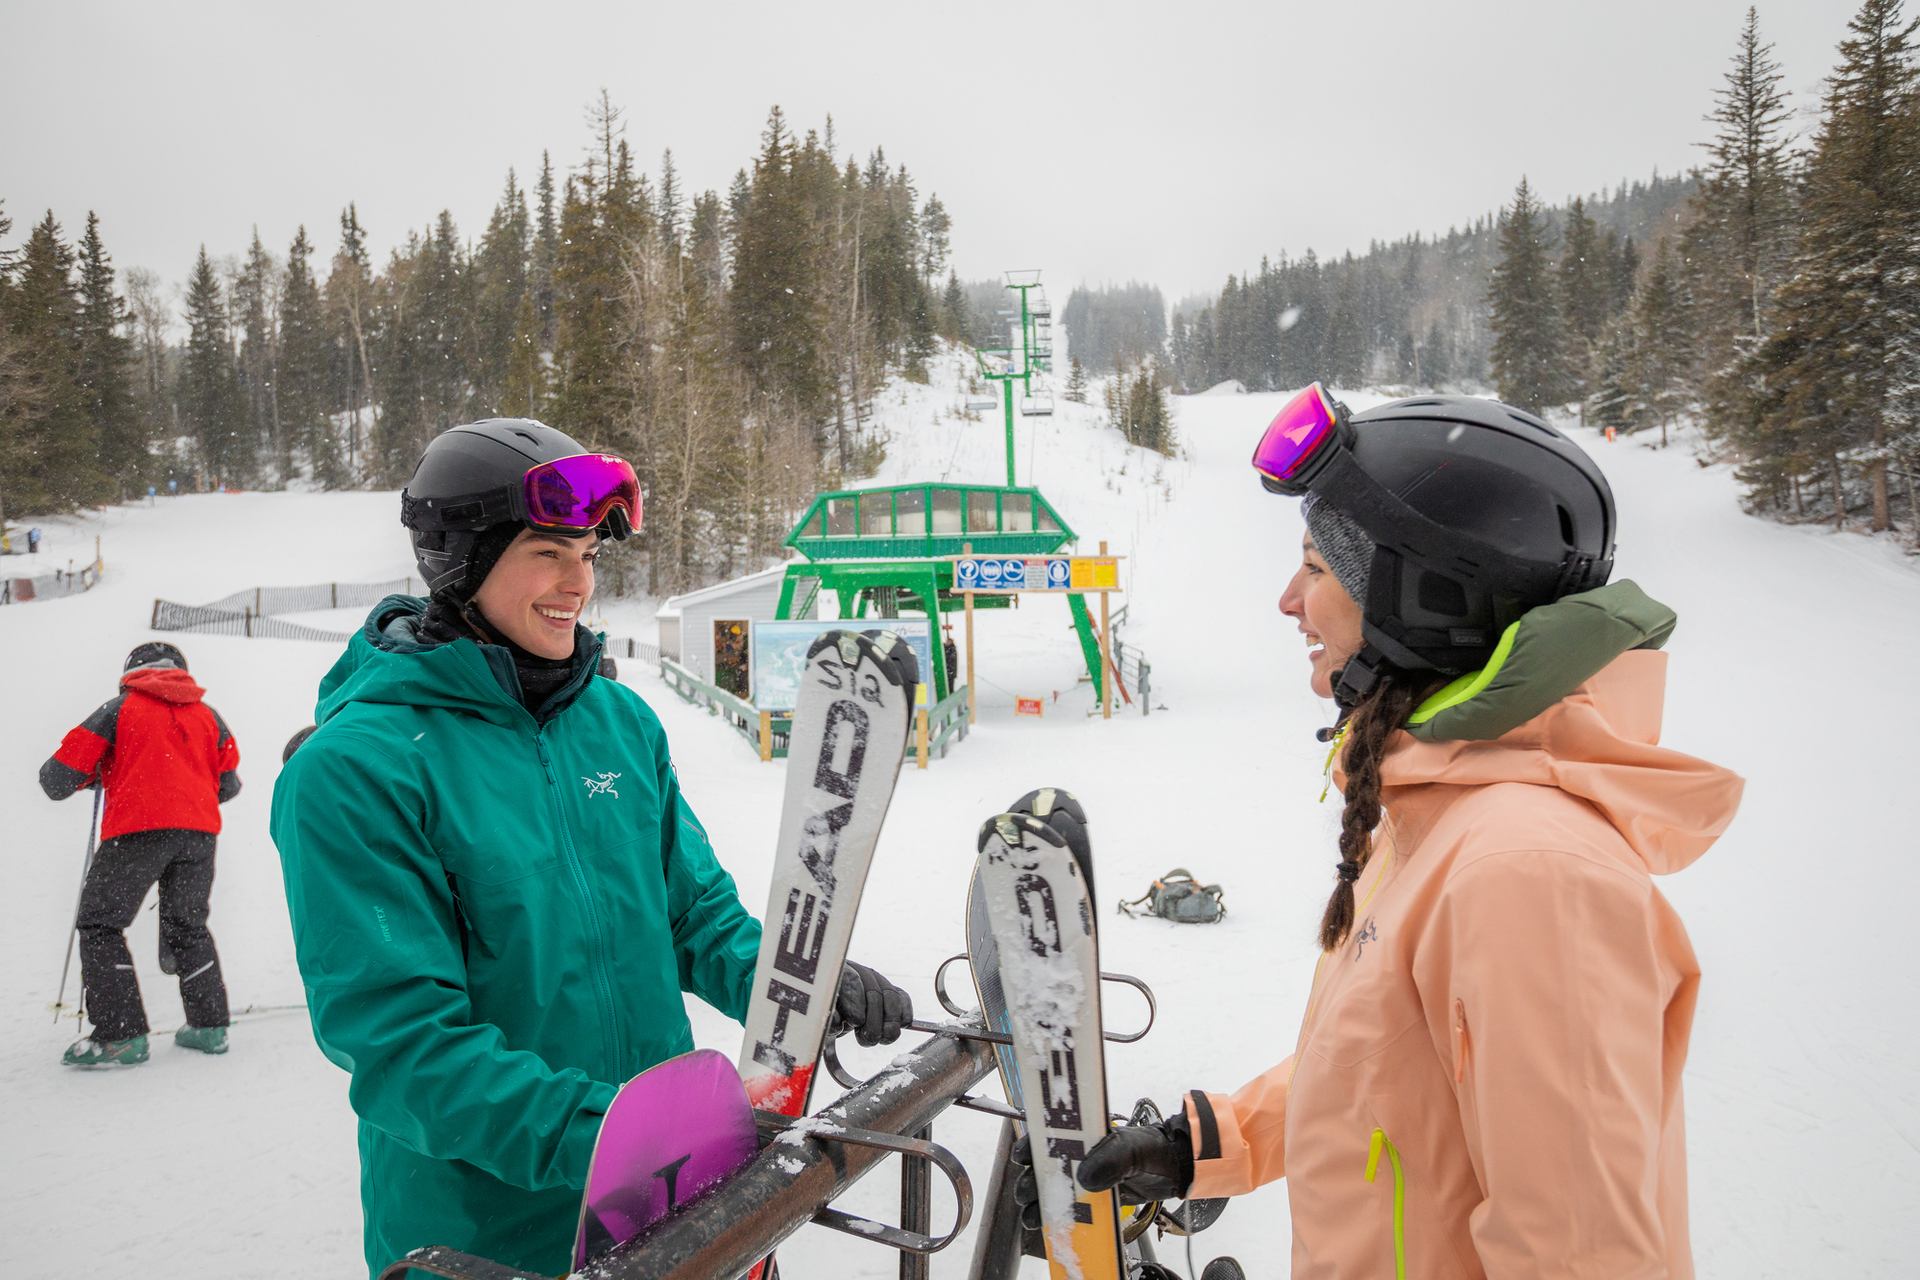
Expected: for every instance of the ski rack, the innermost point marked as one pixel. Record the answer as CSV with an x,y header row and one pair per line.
x,y
804,1164
994,1037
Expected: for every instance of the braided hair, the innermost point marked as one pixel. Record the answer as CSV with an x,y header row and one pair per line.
x,y
1368,728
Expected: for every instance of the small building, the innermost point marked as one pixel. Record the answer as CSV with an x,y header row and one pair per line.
x,y
709,631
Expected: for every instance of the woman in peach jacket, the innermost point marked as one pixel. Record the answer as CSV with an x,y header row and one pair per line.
x,y
1487,1078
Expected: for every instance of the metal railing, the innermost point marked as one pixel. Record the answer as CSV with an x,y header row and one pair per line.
x,y
934,728
51,586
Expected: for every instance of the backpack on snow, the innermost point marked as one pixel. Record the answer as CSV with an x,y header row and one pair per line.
x,y
1178,897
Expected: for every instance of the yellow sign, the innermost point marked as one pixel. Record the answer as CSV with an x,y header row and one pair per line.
x,y
1091,573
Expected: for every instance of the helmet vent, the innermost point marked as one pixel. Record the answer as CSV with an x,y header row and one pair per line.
x,y
1566,525
1442,595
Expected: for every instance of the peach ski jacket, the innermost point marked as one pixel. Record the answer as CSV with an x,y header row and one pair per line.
x,y
1487,1079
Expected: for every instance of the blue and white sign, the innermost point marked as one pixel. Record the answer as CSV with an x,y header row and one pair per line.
x,y
1014,574
1059,572
990,574
966,574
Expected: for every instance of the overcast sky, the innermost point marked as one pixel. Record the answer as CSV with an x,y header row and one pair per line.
x,y
1173,142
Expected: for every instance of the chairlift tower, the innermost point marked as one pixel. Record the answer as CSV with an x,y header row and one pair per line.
x,y
1032,354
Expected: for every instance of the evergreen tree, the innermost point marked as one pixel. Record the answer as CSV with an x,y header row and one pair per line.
x,y
1583,291
104,369
524,394
1529,357
955,322
546,250
1738,243
47,454
1660,360
211,410
304,358
500,282
255,303
1076,381
1847,317
350,299
671,214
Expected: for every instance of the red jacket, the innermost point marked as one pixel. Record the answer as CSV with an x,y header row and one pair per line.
x,y
166,757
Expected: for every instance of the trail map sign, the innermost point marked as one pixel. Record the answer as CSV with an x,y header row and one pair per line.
x,y
1036,573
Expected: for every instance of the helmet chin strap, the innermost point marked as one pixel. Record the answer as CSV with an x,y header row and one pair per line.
x,y
1365,669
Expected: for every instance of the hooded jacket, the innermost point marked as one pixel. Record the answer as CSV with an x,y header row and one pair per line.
x,y
495,916
1487,1078
165,756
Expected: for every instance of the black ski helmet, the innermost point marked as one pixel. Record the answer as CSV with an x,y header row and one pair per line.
x,y
1479,512
154,653
463,463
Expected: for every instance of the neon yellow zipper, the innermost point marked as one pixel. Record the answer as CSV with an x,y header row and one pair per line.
x,y
1381,1141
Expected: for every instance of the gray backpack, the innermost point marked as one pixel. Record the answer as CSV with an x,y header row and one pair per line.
x,y
1178,897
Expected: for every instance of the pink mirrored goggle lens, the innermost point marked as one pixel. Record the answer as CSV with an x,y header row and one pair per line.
x,y
581,491
1294,434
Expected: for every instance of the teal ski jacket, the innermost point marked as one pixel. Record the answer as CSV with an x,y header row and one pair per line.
x,y
495,917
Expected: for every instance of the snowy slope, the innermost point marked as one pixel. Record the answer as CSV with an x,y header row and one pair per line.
x,y
1802,1122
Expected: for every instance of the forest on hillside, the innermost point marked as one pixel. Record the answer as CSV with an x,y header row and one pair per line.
x,y
729,343
1772,297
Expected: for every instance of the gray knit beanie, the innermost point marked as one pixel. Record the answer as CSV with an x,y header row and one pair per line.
x,y
1343,544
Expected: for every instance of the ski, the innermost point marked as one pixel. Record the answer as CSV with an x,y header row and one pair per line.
x,y
672,1132
843,759
1034,894
1058,808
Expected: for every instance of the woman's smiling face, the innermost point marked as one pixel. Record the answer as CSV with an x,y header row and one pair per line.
x,y
1327,616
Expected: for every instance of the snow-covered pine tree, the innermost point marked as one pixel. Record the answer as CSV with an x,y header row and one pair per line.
x,y
1846,316
304,355
1529,355
1076,381
211,410
1660,363
104,367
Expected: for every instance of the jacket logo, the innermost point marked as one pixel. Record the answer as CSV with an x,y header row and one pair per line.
x,y
602,785
1367,934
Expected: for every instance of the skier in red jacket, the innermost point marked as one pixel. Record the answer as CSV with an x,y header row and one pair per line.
x,y
168,764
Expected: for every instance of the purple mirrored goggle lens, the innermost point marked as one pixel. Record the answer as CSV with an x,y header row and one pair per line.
x,y
581,491
1295,434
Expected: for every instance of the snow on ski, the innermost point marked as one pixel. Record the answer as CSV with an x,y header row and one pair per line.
x,y
1041,918
843,759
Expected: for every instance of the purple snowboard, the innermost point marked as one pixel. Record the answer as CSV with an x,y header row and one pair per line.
x,y
673,1131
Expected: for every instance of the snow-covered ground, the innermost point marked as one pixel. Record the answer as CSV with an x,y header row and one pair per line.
x,y
1804,1131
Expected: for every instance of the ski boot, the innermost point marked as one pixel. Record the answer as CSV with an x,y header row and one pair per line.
x,y
205,1039
91,1052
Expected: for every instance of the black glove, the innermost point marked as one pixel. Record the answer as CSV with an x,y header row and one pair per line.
x,y
1162,1171
868,1005
1146,1161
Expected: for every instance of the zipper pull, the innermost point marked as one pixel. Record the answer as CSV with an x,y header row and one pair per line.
x,y
1459,1041
1333,753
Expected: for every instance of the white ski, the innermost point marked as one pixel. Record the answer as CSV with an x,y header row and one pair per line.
x,y
1047,963
843,759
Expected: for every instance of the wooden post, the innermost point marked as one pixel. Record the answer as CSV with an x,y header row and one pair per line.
x,y
766,735
1106,652
973,685
920,735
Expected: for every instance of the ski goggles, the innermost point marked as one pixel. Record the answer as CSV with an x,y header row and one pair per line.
x,y
1298,442
572,495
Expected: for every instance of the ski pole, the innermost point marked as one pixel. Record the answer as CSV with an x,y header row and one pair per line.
x,y
93,831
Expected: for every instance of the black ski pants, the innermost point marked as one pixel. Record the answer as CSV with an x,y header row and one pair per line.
x,y
124,868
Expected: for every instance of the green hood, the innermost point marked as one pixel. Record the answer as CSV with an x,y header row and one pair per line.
x,y
1540,659
389,661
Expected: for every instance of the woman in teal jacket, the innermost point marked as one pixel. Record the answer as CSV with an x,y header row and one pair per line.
x,y
498,892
